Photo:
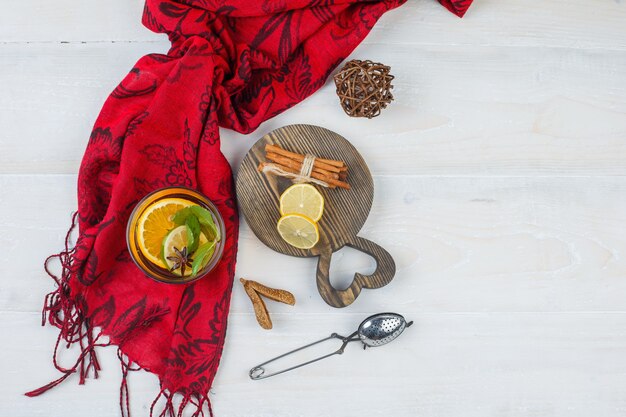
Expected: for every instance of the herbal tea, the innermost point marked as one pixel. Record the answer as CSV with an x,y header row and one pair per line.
x,y
175,235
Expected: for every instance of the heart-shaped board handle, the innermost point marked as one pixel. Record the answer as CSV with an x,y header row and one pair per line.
x,y
384,273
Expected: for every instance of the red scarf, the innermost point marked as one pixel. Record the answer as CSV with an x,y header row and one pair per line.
x,y
233,63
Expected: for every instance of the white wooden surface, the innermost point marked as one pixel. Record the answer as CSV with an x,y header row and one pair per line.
x,y
500,177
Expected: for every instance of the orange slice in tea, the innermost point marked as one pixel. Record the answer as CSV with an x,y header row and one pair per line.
x,y
154,224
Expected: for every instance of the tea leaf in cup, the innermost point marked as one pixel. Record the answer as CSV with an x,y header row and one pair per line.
x,y
202,257
180,217
206,219
193,230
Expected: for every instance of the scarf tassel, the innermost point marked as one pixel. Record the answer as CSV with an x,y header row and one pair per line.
x,y
199,402
61,311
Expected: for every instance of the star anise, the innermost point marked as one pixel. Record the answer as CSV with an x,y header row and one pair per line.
x,y
181,260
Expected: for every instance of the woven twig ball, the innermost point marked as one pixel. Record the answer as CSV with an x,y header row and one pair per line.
x,y
364,88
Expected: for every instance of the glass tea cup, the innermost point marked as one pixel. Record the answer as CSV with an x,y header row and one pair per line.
x,y
159,271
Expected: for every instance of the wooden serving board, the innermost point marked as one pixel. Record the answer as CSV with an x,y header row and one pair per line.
x,y
345,211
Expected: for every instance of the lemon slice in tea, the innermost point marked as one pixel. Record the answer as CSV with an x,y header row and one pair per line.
x,y
177,239
302,199
154,224
298,230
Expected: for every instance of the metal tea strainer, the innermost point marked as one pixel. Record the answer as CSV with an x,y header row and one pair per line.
x,y
376,330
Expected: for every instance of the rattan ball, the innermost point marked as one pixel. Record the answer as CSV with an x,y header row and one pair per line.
x,y
364,88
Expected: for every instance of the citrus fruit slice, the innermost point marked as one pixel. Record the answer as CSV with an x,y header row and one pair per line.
x,y
302,199
174,243
298,230
154,224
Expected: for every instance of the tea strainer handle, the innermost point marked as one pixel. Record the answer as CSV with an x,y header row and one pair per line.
x,y
259,372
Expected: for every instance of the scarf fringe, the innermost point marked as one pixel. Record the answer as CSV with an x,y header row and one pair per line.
x,y
127,366
61,311
197,401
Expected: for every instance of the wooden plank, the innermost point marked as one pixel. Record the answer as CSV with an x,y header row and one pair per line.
x,y
500,190
560,23
553,23
461,244
51,95
446,365
458,111
67,21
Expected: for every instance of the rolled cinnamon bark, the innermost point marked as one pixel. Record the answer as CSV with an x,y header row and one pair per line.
x,y
298,165
327,164
262,166
332,183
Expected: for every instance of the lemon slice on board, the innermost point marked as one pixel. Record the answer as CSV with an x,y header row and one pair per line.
x,y
154,224
298,230
302,199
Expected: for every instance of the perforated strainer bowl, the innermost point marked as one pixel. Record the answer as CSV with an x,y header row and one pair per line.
x,y
381,329
376,330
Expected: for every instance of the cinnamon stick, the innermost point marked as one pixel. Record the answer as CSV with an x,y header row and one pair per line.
x,y
296,170
327,164
262,166
330,181
337,183
298,165
277,149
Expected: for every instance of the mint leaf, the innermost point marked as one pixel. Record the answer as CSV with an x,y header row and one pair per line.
x,y
202,257
206,219
181,216
190,239
193,226
209,233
